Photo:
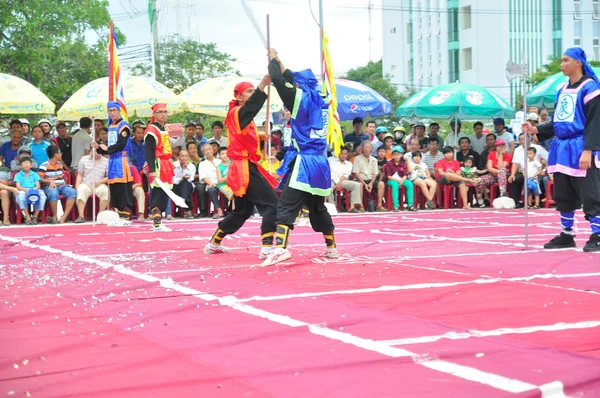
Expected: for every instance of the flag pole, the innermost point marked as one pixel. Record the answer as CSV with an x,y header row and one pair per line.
x,y
267,148
321,55
93,154
525,149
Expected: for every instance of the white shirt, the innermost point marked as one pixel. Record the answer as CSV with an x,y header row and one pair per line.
x,y
452,139
507,137
180,172
533,167
477,144
430,160
519,156
221,141
339,169
208,170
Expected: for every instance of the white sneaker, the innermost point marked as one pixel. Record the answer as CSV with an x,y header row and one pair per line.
x,y
277,256
265,252
161,228
121,223
331,253
214,249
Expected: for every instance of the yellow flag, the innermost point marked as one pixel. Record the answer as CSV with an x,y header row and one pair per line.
x,y
334,130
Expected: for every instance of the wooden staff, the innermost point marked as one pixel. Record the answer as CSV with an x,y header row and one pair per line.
x,y
267,147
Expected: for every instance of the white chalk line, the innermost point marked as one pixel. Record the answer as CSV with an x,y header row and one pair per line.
x,y
554,389
417,286
491,333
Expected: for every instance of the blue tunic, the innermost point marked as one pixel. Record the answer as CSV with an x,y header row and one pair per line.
x,y
119,169
307,146
569,128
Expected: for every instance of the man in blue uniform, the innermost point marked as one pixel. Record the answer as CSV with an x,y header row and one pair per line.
x,y
574,156
119,169
305,169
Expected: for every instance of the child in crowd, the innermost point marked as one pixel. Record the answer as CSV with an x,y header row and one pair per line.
x,y
420,177
29,192
534,169
470,171
6,188
222,174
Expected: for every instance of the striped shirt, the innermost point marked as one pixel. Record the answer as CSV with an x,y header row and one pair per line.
x,y
48,171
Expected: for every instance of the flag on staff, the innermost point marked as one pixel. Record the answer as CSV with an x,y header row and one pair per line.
x,y
334,130
115,89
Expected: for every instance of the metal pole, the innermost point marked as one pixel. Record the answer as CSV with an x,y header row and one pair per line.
x,y
93,154
321,37
154,30
267,150
525,172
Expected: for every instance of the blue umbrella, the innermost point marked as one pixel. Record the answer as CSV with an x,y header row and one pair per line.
x,y
357,100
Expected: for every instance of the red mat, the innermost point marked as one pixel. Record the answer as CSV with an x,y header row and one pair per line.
x,y
427,304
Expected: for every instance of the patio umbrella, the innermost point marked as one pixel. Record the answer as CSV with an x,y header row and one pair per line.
x,y
140,94
357,100
212,96
544,93
456,100
18,96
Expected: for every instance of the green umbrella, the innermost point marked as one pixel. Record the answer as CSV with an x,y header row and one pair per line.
x,y
544,93
467,101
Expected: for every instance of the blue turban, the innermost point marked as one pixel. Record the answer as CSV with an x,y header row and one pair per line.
x,y
308,83
579,55
113,104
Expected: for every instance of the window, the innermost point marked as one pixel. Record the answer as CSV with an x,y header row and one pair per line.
x,y
467,60
420,28
439,71
577,41
430,66
393,30
393,67
429,25
420,66
578,33
557,47
409,33
453,66
410,69
596,47
556,15
438,24
466,17
596,9
577,9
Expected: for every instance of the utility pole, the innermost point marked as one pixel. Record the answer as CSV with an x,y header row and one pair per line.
x,y
153,14
370,30
321,38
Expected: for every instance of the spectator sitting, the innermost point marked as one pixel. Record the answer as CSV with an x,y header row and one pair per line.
x,y
138,192
395,175
412,146
430,158
341,169
270,163
365,170
448,173
502,134
222,173
81,141
218,137
420,177
208,174
183,181
28,186
477,140
6,188
24,153
468,170
357,136
388,144
51,173
216,148
64,142
381,158
90,171
136,147
498,165
377,141
9,150
47,129
534,169
434,129
490,146
465,151
38,146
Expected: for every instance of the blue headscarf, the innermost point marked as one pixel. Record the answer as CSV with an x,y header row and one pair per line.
x,y
579,55
112,104
308,83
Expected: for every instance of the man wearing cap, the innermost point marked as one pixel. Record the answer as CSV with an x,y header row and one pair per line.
x,y
377,141
306,172
158,158
46,128
357,136
23,153
26,127
120,178
399,133
251,184
64,142
574,156
533,118
452,139
502,134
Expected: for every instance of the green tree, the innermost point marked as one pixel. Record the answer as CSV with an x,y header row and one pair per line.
x,y
371,75
551,68
184,62
44,43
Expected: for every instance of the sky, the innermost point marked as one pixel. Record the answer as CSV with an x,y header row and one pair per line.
x,y
293,31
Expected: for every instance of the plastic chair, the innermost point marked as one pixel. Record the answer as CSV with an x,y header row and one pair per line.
x,y
549,194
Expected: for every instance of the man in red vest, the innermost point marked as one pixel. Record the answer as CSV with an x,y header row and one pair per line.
x,y
158,157
251,184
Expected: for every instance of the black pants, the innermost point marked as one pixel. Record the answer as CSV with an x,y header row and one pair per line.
x,y
291,202
184,189
121,195
159,199
201,191
259,194
571,192
516,187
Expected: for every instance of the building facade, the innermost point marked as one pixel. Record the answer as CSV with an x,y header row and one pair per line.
x,y
431,42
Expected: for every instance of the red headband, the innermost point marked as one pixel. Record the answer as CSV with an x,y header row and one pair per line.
x,y
155,108
241,87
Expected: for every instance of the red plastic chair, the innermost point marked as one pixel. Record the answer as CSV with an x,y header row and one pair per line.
x,y
342,198
19,213
549,194
388,197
